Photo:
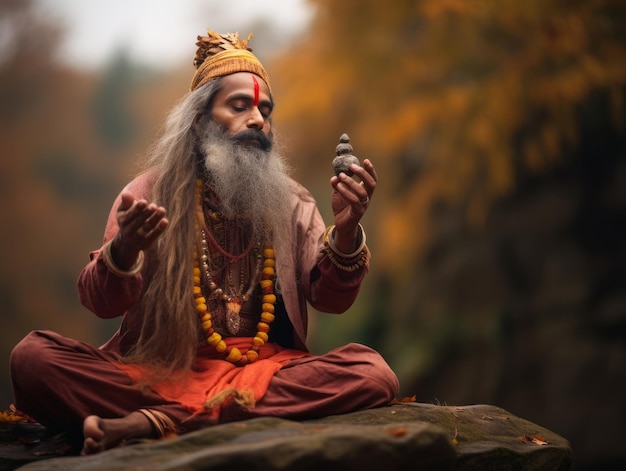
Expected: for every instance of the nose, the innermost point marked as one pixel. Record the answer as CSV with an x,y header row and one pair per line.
x,y
256,119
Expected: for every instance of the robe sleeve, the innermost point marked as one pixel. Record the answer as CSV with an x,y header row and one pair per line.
x,y
328,288
101,291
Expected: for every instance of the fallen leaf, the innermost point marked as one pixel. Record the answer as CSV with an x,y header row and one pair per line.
x,y
456,434
404,400
60,451
7,416
534,439
398,432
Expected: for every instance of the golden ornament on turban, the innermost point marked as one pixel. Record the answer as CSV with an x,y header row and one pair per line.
x,y
224,54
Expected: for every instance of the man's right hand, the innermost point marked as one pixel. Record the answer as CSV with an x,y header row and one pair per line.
x,y
140,223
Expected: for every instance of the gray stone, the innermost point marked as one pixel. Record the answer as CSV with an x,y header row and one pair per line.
x,y
399,437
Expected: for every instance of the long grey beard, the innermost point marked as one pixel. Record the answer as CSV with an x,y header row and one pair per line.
x,y
250,183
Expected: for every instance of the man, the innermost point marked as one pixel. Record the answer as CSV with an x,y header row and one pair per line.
x,y
210,256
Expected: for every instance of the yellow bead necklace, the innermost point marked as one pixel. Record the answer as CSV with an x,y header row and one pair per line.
x,y
268,275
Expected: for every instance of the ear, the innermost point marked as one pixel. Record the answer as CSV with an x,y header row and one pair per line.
x,y
200,121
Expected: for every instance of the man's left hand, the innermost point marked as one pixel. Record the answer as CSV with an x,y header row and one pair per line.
x,y
350,200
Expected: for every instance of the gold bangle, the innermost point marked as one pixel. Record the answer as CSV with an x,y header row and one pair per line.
x,y
329,238
113,268
162,424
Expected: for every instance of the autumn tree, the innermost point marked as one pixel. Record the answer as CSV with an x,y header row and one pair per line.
x,y
470,95
59,172
498,130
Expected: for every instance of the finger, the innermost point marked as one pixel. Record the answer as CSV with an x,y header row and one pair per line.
x,y
369,166
154,221
132,222
127,200
367,175
158,230
130,213
358,192
153,214
348,200
139,213
153,234
347,187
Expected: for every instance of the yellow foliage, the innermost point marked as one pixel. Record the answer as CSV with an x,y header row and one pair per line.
x,y
13,416
6,416
460,80
406,229
468,92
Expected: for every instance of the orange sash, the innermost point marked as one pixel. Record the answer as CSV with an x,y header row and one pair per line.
x,y
211,375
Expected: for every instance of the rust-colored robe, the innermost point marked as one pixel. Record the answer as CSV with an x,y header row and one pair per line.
x,y
304,274
77,379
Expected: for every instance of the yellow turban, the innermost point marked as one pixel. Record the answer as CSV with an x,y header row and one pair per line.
x,y
224,54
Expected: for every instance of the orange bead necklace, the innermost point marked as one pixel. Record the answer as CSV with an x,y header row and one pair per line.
x,y
200,271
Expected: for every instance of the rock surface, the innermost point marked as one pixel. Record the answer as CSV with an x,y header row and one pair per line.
x,y
399,437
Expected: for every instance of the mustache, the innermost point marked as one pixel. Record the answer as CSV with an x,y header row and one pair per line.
x,y
264,142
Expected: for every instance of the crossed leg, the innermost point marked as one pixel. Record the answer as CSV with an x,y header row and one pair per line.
x,y
70,385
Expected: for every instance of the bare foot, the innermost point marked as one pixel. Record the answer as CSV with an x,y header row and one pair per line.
x,y
101,434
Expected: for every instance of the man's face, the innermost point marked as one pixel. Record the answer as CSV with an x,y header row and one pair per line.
x,y
243,107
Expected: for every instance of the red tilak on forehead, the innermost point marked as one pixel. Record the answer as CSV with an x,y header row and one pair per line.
x,y
256,90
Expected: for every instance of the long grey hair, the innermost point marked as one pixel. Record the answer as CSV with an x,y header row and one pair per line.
x,y
168,338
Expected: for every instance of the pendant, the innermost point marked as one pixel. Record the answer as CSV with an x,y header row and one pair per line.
x,y
233,321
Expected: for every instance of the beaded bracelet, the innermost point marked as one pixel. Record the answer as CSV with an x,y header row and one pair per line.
x,y
110,264
361,261
348,262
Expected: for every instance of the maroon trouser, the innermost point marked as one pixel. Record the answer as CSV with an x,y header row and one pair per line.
x,y
60,381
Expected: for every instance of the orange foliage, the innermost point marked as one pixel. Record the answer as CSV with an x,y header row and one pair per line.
x,y
468,92
58,179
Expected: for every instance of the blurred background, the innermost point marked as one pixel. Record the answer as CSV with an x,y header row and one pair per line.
x,y
498,131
